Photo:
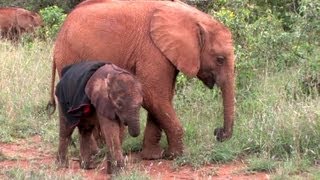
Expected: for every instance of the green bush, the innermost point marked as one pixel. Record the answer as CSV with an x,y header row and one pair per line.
x,y
53,18
37,5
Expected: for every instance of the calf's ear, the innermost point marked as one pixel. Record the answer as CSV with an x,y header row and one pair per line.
x,y
97,90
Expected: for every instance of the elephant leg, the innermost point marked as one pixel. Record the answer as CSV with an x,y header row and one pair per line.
x,y
93,146
173,129
65,133
96,139
111,131
97,136
152,135
111,167
158,95
85,150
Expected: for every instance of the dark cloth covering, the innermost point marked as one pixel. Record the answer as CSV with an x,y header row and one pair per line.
x,y
70,90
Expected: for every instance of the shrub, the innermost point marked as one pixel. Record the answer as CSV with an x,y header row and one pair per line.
x,y
53,18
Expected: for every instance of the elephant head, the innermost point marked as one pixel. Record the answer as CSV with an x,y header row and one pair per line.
x,y
117,96
198,45
27,21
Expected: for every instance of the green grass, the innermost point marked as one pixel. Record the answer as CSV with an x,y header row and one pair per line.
x,y
132,175
296,169
24,85
38,174
277,127
269,122
261,164
43,173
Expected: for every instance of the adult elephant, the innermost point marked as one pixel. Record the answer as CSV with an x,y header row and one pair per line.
x,y
15,21
154,40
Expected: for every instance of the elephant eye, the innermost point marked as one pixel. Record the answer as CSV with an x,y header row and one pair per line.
x,y
120,105
220,60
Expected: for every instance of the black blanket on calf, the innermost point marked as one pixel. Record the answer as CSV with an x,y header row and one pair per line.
x,y
70,90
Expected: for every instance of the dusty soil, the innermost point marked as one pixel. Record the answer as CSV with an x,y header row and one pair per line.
x,y
30,155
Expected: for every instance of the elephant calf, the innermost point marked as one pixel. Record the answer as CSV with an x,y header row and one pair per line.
x,y
16,21
96,94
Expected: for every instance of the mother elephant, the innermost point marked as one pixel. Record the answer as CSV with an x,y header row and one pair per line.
x,y
154,40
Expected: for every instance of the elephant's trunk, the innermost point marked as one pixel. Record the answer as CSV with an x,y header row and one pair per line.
x,y
228,95
133,126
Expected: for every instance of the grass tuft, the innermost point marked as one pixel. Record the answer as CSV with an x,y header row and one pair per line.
x,y
20,174
132,175
262,165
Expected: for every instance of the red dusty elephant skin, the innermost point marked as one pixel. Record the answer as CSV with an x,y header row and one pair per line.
x,y
15,21
154,40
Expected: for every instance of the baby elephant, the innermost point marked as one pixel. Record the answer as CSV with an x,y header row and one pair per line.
x,y
97,95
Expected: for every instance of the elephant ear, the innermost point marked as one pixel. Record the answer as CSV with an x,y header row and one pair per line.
x,y
176,33
97,90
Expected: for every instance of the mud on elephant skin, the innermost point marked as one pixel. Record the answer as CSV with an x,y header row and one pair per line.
x,y
154,40
93,95
16,21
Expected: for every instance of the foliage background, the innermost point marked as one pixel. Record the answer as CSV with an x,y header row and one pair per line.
x,y
277,126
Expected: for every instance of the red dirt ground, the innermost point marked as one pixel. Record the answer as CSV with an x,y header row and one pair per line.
x,y
29,155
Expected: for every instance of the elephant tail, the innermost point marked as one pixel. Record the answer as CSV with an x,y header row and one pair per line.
x,y
51,106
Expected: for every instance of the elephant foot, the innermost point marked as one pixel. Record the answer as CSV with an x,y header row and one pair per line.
x,y
152,153
133,158
172,153
115,167
87,165
95,151
91,163
62,162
